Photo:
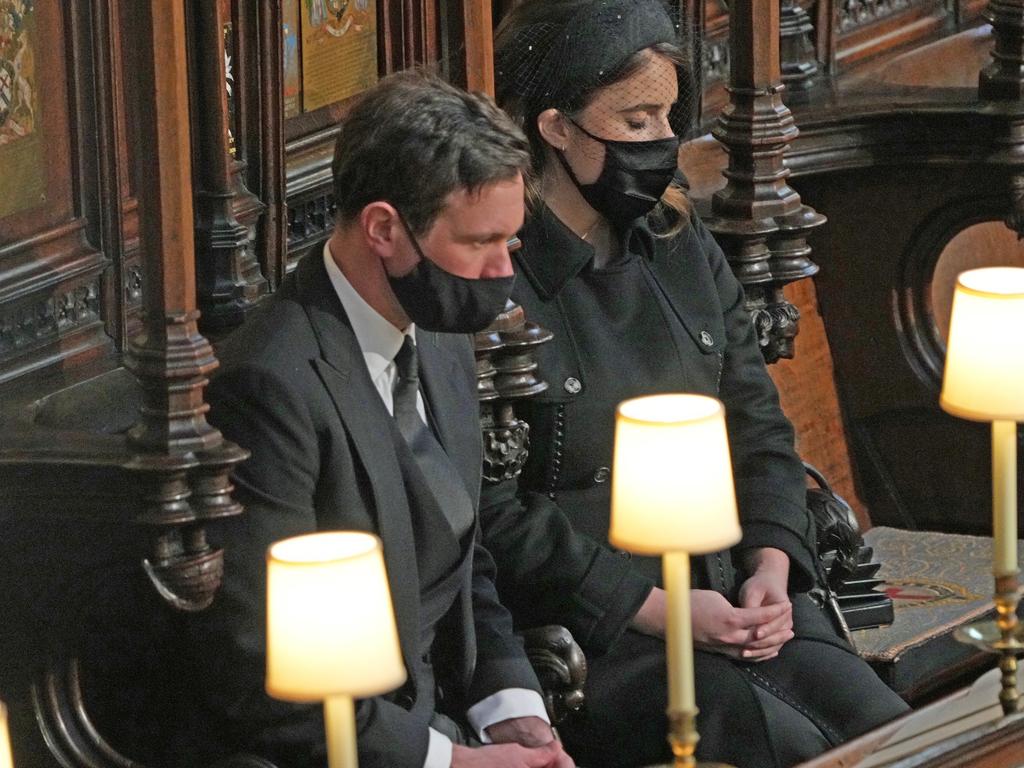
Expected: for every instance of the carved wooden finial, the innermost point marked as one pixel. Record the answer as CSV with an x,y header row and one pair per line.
x,y
757,218
506,372
1003,78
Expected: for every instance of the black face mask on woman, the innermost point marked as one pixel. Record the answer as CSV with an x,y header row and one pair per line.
x,y
436,300
635,176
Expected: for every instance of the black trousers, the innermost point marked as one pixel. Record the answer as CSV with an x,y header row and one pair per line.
x,y
773,714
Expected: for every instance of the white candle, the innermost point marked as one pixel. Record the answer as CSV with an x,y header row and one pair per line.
x,y
1004,497
6,761
679,632
340,722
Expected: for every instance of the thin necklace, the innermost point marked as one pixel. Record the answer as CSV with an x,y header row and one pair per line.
x,y
590,229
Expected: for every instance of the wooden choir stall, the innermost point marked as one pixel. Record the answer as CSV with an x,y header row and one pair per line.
x,y
164,164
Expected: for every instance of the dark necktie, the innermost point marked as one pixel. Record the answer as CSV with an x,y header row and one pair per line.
x,y
434,463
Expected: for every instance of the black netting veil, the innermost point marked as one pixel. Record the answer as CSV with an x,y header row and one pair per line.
x,y
556,53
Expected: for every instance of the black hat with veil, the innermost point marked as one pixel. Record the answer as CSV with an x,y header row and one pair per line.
x,y
556,53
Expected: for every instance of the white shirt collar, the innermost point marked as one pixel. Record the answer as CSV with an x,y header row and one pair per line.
x,y
378,339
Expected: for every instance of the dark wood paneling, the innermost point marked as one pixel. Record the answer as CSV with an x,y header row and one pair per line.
x,y
229,278
888,225
53,301
865,28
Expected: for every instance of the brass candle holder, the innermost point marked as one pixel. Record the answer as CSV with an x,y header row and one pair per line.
x,y
984,381
1003,635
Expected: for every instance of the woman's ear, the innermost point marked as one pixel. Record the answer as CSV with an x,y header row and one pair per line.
x,y
553,128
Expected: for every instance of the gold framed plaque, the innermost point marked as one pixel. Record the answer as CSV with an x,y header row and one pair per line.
x,y
339,50
22,170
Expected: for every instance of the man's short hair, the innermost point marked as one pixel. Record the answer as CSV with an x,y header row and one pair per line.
x,y
413,139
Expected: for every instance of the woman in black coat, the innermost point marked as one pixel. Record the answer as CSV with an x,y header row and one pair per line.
x,y
642,301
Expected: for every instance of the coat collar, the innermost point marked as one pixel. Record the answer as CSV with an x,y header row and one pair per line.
x,y
552,254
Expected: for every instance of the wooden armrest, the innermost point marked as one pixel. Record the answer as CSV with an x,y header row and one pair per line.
x,y
561,668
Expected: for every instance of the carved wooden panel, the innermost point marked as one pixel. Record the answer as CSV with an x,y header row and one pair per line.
x,y
410,33
714,57
864,28
53,297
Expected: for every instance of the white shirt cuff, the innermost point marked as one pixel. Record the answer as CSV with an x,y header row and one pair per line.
x,y
439,751
504,705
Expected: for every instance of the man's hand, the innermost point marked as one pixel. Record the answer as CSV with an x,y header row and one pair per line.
x,y
527,731
550,755
519,742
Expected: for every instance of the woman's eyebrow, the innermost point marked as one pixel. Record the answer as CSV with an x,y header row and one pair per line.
x,y
645,107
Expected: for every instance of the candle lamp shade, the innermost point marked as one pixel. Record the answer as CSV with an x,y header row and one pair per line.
x,y
984,374
330,621
6,761
672,485
984,381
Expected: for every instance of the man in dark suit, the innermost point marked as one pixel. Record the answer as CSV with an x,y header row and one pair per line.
x,y
354,388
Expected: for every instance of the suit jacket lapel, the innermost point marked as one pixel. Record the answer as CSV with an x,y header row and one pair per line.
x,y
453,403
348,383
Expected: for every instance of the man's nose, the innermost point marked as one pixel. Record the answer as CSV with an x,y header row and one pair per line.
x,y
500,263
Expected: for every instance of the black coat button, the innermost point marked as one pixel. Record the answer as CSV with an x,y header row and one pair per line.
x,y
601,474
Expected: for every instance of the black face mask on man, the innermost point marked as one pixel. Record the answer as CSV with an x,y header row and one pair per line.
x,y
634,177
437,300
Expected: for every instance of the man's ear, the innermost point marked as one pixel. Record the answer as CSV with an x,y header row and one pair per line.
x,y
553,128
381,226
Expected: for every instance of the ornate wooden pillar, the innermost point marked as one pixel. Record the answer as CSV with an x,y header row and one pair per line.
x,y
273,234
1003,79
182,460
230,280
799,61
757,217
506,371
479,36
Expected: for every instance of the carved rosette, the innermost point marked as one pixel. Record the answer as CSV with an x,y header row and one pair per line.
x,y
506,371
757,218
